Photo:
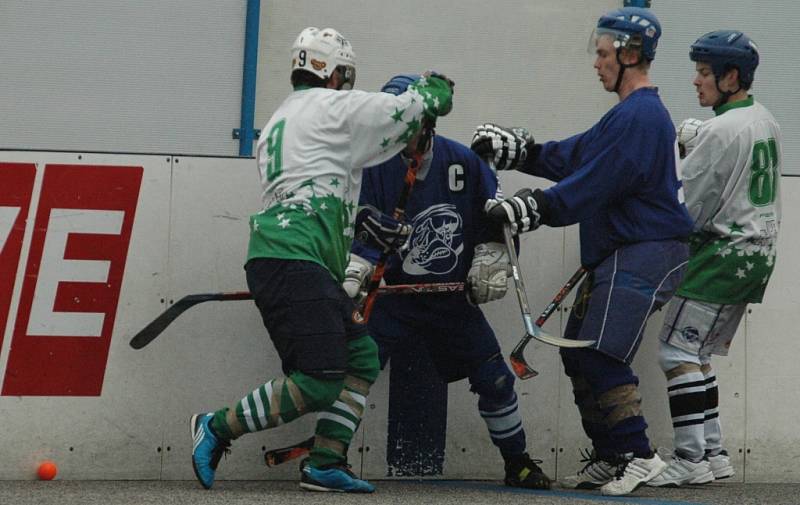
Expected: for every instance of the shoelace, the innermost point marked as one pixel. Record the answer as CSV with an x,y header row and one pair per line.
x,y
621,467
589,457
222,449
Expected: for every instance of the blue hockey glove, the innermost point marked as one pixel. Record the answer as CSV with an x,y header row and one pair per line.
x,y
379,230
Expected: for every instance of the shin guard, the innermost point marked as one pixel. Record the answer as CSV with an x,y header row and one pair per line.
x,y
337,424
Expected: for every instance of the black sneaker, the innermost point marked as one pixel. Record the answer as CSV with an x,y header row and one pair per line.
x,y
522,471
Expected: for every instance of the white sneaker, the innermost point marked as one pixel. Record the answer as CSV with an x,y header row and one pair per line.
x,y
721,465
635,473
594,474
681,471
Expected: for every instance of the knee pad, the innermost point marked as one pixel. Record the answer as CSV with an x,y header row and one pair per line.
x,y
671,357
362,359
317,393
620,403
493,379
584,399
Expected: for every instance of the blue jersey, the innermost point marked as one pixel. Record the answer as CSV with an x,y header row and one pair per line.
x,y
618,179
446,209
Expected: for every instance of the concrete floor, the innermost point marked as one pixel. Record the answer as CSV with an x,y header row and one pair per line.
x,y
389,492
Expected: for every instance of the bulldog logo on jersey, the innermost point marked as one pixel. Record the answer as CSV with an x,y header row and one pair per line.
x,y
690,333
436,243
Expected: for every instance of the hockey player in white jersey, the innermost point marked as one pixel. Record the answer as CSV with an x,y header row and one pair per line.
x,y
310,156
731,179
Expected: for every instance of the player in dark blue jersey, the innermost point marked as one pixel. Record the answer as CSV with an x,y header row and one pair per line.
x,y
618,181
453,240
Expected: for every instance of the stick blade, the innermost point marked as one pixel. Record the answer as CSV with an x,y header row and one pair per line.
x,y
276,457
159,324
561,341
522,369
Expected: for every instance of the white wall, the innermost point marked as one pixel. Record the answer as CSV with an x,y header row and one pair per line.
x,y
189,236
166,77
147,76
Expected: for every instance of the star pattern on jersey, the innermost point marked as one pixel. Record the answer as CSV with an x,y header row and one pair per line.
x,y
398,114
404,137
736,229
414,126
335,182
385,143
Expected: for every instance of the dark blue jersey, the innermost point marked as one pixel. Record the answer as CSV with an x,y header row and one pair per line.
x,y
446,209
618,179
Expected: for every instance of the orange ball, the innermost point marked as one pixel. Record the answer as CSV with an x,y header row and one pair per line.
x,y
47,470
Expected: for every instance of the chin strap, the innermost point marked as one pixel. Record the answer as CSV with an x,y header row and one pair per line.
x,y
622,68
723,95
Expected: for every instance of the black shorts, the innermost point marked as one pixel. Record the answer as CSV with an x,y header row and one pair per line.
x,y
308,315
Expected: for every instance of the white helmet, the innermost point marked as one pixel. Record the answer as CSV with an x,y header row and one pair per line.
x,y
321,52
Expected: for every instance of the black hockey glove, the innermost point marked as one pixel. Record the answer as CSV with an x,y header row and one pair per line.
x,y
504,148
523,211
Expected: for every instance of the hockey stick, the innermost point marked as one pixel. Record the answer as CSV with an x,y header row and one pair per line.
x,y
159,324
398,214
534,330
275,457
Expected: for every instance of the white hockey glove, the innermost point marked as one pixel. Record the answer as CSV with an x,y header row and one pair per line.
x,y
523,211
356,276
504,148
380,230
488,275
687,133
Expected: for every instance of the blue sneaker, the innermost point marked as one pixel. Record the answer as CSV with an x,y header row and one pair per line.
x,y
207,450
337,478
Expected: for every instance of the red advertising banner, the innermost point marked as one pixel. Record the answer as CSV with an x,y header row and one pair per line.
x,y
72,282
17,180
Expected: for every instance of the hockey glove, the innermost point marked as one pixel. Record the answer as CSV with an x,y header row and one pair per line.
x,y
505,148
687,133
380,231
523,211
436,91
356,276
486,280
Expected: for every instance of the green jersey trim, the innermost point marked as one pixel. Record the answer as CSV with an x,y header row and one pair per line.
x,y
724,270
747,102
318,232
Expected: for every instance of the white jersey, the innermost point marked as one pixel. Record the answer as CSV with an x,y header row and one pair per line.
x,y
310,156
731,181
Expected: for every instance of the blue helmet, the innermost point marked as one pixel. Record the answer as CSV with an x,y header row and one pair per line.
x,y
633,28
726,49
398,84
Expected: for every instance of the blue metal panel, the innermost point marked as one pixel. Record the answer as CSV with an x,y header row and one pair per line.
x,y
246,133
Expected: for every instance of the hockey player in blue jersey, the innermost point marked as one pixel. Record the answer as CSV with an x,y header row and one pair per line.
x,y
452,240
617,180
